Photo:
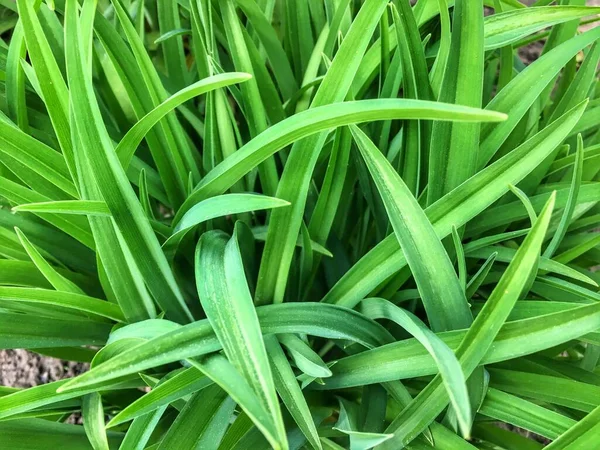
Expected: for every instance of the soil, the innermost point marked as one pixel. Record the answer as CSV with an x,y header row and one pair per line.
x,y
23,369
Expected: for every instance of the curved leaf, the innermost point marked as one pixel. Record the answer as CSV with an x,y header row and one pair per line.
x,y
507,27
227,302
128,145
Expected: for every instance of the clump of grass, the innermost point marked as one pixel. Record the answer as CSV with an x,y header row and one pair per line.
x,y
301,224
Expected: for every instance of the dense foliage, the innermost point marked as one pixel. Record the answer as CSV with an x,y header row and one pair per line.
x,y
301,224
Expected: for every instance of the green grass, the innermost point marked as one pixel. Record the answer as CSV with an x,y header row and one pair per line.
x,y
301,224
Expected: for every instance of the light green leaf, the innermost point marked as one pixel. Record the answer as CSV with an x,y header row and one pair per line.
x,y
455,209
449,367
198,338
112,181
202,422
77,207
581,435
128,145
312,121
507,27
305,358
93,421
442,295
59,282
227,302
480,336
178,386
74,301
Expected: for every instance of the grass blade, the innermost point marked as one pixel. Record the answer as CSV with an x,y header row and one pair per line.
x,y
480,335
228,305
451,164
455,209
112,181
507,27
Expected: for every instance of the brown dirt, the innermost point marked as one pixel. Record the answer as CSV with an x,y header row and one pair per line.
x,y
21,368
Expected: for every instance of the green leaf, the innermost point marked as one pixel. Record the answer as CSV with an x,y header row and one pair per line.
x,y
277,58
220,206
227,302
581,84
198,338
519,95
47,165
578,250
507,213
567,214
416,85
119,273
460,256
455,209
178,386
441,61
525,414
59,282
224,373
39,434
224,205
477,280
76,227
306,123
25,274
451,163
260,234
52,84
253,106
581,435
15,79
449,367
171,34
442,295
128,145
168,20
141,429
332,188
507,27
83,207
305,358
93,421
202,422
289,390
480,336
27,331
554,390
112,182
507,255
284,225
360,440
65,299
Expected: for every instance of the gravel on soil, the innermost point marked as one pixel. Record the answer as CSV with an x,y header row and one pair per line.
x,y
23,369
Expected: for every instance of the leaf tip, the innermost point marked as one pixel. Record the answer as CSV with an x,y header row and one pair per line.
x,y
113,422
